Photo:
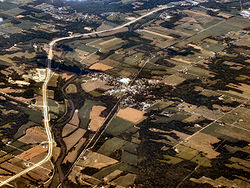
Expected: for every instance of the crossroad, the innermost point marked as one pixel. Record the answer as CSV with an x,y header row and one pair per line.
x,y
44,90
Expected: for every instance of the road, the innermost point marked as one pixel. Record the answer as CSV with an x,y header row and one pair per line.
x,y
47,129
44,90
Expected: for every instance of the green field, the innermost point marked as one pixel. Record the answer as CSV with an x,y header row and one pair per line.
x,y
118,126
111,145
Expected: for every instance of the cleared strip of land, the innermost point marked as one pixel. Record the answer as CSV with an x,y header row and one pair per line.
x,y
158,34
107,41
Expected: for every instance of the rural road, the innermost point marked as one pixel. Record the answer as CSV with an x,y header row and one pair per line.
x,y
44,90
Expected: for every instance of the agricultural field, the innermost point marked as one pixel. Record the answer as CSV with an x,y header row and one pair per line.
x,y
160,102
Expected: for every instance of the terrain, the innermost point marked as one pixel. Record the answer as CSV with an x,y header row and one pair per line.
x,y
124,93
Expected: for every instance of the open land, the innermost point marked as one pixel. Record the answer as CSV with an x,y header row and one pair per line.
x,y
156,95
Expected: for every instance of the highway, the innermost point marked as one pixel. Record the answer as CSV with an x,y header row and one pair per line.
x,y
44,90
47,129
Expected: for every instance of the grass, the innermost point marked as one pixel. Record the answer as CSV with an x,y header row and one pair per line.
x,y
9,28
118,126
237,166
159,106
238,22
240,118
21,2
35,116
209,24
129,158
81,45
106,171
5,158
6,126
71,89
222,29
125,181
7,57
111,145
232,134
7,5
131,147
21,131
14,12
11,150
171,160
20,145
186,152
193,155
84,112
95,93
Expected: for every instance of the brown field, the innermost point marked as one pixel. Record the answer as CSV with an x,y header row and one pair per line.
x,y
158,34
5,158
221,182
108,41
208,53
207,113
112,175
178,32
96,160
66,75
39,174
222,108
40,157
203,142
125,181
103,27
4,175
231,132
96,119
187,107
244,115
39,101
91,85
241,162
224,15
90,61
233,65
195,46
180,134
33,152
6,112
197,13
173,80
11,167
10,90
100,67
33,136
71,156
83,56
242,87
187,19
75,119
181,60
71,140
71,88
131,114
211,41
67,129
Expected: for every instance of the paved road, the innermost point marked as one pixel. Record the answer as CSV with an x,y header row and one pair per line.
x,y
47,128
44,89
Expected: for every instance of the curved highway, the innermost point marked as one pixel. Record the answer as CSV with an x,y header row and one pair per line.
x,y
44,90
